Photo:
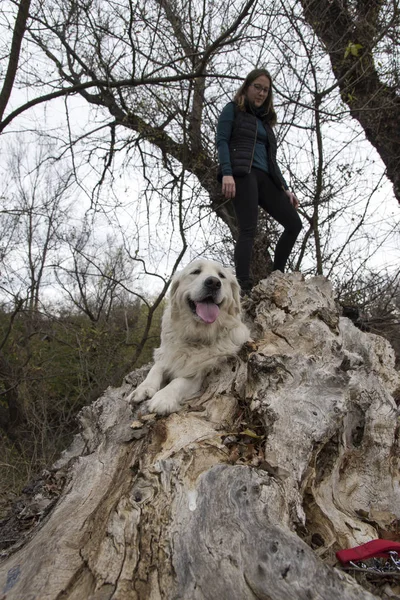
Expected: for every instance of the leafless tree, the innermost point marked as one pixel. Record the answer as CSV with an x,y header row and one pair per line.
x,y
34,210
155,76
361,39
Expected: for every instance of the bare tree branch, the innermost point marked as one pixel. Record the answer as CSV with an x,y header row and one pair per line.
x,y
350,40
18,35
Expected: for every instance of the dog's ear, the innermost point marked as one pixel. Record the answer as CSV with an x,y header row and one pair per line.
x,y
173,290
174,286
234,308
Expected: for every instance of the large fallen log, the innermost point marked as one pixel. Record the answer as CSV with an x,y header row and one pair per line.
x,y
290,454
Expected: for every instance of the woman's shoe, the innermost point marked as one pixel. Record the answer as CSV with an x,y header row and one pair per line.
x,y
245,287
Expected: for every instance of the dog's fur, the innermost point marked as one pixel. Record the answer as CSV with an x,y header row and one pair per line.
x,y
201,324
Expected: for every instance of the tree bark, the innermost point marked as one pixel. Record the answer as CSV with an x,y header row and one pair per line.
x,y
18,35
290,453
349,39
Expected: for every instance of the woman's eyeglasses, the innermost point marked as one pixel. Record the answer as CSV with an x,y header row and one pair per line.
x,y
260,88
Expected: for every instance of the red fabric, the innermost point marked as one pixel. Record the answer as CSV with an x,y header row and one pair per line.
x,y
375,548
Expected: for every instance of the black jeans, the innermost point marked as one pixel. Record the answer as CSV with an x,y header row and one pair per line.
x,y
258,189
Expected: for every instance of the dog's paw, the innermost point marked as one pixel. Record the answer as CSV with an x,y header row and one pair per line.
x,y
143,392
163,403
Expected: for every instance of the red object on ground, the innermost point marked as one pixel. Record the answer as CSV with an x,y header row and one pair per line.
x,y
375,548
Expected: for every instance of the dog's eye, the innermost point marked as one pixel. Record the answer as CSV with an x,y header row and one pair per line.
x,y
196,272
221,275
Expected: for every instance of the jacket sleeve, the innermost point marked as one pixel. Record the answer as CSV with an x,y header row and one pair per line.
x,y
224,132
273,165
281,177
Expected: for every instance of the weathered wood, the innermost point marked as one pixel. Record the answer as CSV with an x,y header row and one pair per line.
x,y
292,442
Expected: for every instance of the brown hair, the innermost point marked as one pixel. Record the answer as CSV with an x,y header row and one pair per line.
x,y
268,105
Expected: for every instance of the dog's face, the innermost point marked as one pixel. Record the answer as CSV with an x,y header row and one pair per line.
x,y
206,290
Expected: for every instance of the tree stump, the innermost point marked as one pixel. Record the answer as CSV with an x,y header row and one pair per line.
x,y
290,453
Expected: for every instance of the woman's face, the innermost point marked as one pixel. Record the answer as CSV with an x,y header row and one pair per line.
x,y
257,91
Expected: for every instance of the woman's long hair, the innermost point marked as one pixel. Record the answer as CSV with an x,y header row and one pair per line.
x,y
268,105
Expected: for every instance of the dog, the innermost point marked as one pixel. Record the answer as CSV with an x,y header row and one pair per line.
x,y
201,325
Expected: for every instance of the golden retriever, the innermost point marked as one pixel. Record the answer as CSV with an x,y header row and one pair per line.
x,y
201,324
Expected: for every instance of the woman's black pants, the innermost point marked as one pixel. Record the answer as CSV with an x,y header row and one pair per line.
x,y
254,190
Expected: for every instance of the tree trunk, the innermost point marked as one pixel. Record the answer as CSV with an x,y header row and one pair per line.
x,y
15,51
350,36
290,453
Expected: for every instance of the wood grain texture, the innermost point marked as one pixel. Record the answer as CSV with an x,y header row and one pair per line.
x,y
295,440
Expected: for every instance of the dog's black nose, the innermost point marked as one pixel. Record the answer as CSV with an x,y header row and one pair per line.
x,y
212,283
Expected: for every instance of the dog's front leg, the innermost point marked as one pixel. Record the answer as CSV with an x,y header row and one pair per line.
x,y
149,386
169,399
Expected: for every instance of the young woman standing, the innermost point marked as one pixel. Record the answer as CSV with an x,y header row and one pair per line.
x,y
250,174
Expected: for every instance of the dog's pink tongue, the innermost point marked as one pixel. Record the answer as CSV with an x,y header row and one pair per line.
x,y
208,311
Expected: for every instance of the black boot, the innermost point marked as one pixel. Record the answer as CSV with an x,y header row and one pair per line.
x,y
246,286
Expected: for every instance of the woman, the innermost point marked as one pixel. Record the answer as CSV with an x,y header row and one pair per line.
x,y
250,174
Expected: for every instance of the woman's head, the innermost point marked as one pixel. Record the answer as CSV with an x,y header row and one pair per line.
x,y
257,90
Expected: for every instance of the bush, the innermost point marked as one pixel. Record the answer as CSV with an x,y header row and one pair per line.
x,y
373,303
50,367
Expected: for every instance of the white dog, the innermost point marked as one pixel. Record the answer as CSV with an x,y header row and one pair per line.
x,y
201,324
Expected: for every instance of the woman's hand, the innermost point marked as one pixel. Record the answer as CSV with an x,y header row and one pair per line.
x,y
293,198
228,186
